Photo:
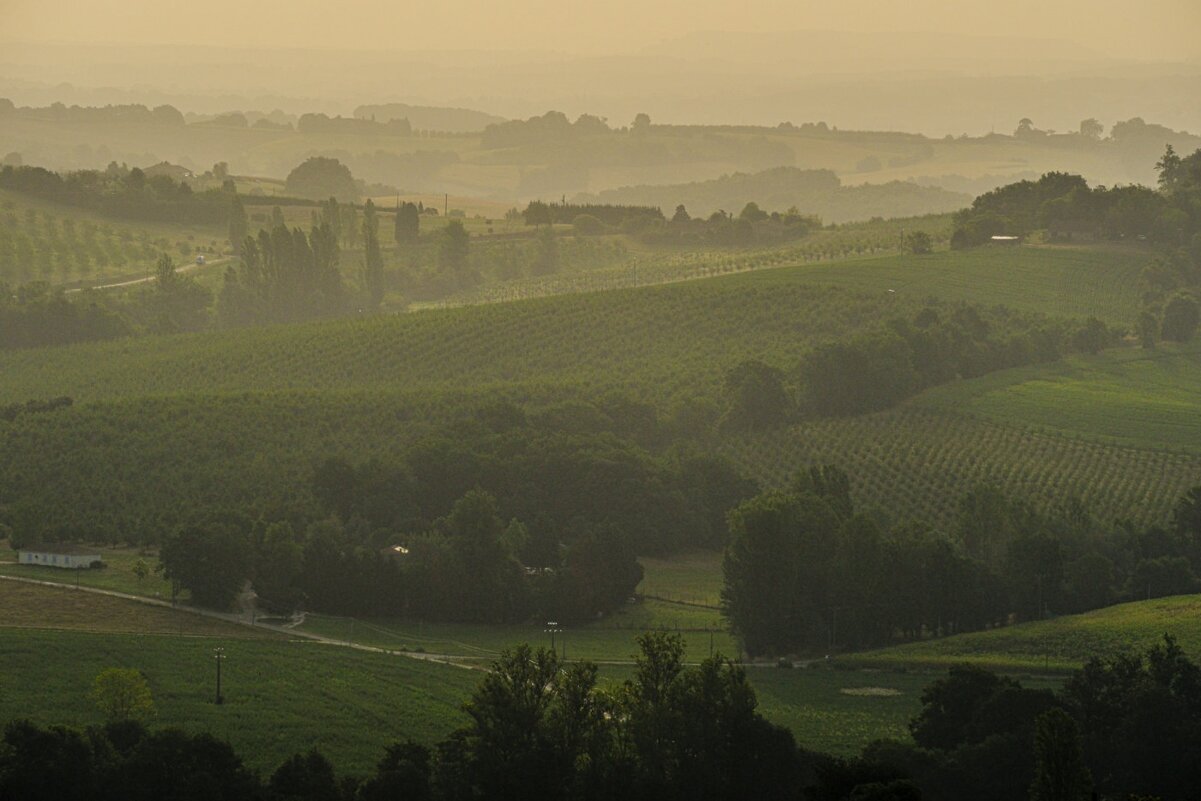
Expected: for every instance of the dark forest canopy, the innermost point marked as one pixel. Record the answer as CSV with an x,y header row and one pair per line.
x,y
1066,207
803,571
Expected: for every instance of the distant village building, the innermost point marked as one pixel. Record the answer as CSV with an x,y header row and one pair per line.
x,y
168,169
1006,240
72,557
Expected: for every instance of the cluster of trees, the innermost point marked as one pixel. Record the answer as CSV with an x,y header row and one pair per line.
x,y
321,177
508,519
125,114
38,315
467,567
1122,726
119,191
539,213
553,126
877,370
752,226
284,275
815,192
34,315
323,123
804,571
1065,206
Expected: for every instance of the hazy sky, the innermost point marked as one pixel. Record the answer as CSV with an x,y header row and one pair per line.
x,y
1149,29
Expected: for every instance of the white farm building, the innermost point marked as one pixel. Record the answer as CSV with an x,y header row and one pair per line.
x,y
72,557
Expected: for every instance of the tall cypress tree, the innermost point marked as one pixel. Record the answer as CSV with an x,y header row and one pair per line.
x,y
238,224
373,259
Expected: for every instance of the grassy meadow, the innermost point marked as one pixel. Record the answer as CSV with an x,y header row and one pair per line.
x,y
117,574
1056,645
281,697
1132,397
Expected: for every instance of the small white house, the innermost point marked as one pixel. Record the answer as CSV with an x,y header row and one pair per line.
x,y
72,557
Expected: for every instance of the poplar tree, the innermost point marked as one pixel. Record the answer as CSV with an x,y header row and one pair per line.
x,y
238,224
373,259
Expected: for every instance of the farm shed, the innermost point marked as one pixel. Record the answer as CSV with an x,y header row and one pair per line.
x,y
72,557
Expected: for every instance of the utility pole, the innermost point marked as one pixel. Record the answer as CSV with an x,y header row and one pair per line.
x,y
219,656
552,628
446,205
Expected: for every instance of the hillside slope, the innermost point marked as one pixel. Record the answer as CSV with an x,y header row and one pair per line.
x,y
1060,644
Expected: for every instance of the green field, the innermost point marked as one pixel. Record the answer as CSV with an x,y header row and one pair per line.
x,y
117,573
285,696
281,698
1056,280
692,578
1137,398
1060,644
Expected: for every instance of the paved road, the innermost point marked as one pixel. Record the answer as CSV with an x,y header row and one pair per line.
x,y
183,268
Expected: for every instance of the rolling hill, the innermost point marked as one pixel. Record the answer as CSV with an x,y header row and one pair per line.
x,y
240,417
1056,645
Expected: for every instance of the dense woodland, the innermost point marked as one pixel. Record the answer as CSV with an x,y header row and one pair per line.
x,y
539,728
804,571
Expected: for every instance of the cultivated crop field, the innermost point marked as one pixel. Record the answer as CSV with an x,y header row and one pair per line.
x,y
660,341
239,418
915,464
1134,397
34,606
1060,644
1056,280
60,245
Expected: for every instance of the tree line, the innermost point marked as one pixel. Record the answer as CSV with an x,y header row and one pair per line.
x,y
878,369
122,192
804,571
1066,206
1123,726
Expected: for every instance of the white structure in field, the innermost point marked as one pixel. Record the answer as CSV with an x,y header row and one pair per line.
x,y
72,557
